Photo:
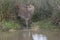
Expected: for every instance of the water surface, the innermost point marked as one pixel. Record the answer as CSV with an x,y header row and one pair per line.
x,y
30,35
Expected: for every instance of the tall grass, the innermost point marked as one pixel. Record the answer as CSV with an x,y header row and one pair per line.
x,y
7,12
7,7
43,9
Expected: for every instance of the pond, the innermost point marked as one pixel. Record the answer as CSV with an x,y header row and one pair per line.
x,y
30,35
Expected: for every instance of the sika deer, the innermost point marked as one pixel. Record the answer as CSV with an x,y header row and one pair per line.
x,y
26,12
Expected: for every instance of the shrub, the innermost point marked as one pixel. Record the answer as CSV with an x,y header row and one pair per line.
x,y
9,25
45,24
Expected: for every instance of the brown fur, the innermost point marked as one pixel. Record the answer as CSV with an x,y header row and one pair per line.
x,y
25,11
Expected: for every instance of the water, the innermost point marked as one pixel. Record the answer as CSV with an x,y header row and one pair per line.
x,y
32,35
39,37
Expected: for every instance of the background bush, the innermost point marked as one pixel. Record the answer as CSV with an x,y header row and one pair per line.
x,y
5,26
44,9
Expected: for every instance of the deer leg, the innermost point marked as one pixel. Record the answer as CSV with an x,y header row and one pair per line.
x,y
26,23
29,22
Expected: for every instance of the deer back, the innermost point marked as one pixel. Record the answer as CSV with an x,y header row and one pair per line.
x,y
25,11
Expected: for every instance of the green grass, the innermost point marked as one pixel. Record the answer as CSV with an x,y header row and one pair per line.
x,y
9,25
45,24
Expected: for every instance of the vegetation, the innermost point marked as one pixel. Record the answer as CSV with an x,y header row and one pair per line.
x,y
47,25
48,10
5,26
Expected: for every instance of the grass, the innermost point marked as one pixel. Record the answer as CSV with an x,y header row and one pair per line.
x,y
7,9
45,24
9,25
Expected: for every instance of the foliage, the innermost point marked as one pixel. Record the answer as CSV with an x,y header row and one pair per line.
x,y
47,25
6,25
6,9
44,9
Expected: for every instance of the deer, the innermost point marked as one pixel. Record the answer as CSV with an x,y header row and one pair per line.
x,y
26,12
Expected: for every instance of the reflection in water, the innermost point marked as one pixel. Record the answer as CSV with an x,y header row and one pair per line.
x,y
39,37
26,35
32,35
